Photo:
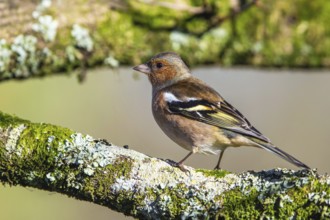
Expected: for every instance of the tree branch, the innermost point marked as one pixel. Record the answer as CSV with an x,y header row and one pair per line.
x,y
177,5
207,12
57,159
38,40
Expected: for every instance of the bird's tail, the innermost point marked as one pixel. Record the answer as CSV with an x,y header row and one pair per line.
x,y
281,153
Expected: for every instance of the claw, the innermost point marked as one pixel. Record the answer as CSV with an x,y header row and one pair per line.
x,y
178,165
182,167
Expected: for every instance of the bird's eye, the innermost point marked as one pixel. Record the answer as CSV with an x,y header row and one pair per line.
x,y
159,65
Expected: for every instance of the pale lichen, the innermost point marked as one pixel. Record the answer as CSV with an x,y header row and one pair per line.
x,y
47,27
5,54
12,136
50,177
179,39
41,7
111,61
24,49
82,37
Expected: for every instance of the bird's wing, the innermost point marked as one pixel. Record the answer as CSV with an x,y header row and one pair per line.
x,y
220,114
195,100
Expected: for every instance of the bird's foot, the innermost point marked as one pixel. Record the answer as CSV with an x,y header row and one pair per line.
x,y
178,165
182,168
217,168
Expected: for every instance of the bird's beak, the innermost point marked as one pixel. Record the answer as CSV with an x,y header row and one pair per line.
x,y
143,68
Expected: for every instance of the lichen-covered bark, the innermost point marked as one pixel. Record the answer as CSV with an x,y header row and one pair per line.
x,y
57,159
39,38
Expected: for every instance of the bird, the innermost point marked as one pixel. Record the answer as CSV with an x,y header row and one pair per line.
x,y
197,117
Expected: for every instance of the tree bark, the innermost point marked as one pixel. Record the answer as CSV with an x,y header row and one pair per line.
x,y
58,159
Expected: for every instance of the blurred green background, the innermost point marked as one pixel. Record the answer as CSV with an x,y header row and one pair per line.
x,y
225,41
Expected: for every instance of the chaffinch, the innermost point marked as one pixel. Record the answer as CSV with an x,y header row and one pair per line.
x,y
195,116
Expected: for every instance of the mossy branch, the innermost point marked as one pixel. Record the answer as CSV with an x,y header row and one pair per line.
x,y
208,13
57,159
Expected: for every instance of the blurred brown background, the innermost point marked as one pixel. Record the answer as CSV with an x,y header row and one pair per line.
x,y
291,107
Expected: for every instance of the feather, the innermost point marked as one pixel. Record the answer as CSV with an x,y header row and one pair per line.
x,y
271,148
225,116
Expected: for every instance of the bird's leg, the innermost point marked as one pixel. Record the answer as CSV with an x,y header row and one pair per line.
x,y
185,158
217,167
180,163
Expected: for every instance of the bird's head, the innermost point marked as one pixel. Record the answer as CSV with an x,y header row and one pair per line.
x,y
164,69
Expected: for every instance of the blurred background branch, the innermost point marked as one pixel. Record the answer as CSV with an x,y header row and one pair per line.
x,y
207,13
178,5
46,37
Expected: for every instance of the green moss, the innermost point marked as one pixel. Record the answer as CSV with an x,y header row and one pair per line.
x,y
39,152
7,120
36,136
215,173
36,150
236,205
171,202
177,202
97,187
294,202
